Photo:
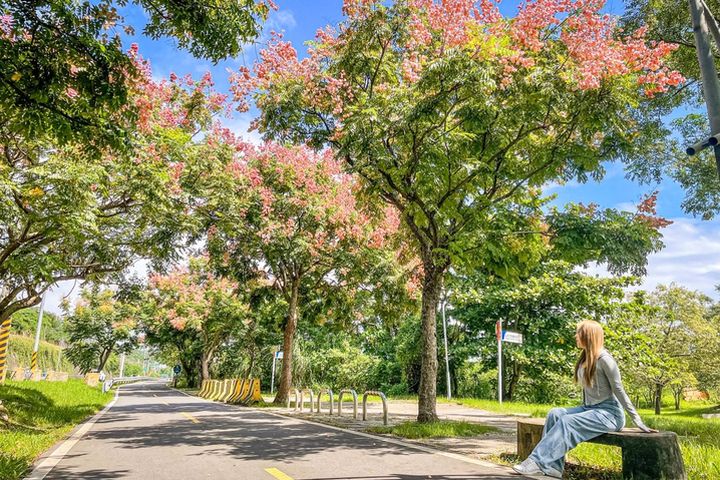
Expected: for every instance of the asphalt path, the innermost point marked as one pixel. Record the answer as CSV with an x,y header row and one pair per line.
x,y
154,432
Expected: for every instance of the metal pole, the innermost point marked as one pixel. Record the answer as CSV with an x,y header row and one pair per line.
x,y
122,365
711,85
272,376
33,361
447,357
498,334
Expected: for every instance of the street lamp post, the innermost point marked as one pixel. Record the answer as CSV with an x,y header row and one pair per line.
x,y
703,23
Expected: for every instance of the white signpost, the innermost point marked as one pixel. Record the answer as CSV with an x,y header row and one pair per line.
x,y
277,354
504,336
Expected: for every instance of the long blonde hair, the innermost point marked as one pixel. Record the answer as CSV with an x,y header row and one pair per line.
x,y
592,337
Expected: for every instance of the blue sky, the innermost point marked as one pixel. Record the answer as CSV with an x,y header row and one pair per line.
x,y
692,253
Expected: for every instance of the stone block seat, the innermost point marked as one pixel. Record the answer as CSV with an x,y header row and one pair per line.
x,y
645,456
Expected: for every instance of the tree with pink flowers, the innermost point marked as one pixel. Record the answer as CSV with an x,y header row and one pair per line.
x,y
288,216
70,212
191,311
458,117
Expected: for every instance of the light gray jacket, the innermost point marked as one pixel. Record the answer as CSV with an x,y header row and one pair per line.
x,y
608,384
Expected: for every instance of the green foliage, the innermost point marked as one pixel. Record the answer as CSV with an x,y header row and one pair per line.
x,y
98,326
439,429
24,322
476,381
54,407
213,29
656,336
697,175
20,353
61,46
344,366
545,307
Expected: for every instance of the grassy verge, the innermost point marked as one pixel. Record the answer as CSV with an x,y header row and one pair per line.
x,y
45,413
441,429
507,408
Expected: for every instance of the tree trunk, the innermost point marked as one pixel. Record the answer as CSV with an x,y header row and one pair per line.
x,y
205,364
288,341
104,358
658,397
513,381
677,394
427,393
189,373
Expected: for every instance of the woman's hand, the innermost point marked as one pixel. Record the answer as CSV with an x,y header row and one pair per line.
x,y
648,430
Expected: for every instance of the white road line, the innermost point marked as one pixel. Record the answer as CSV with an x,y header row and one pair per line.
x,y
49,462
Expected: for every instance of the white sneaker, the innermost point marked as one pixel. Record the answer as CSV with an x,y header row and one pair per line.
x,y
531,469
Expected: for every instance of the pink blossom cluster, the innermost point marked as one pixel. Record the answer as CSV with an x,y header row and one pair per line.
x,y
647,212
188,294
279,63
6,27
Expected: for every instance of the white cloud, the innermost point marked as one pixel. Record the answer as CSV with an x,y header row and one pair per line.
x,y
691,257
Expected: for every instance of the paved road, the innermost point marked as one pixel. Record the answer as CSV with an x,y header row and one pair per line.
x,y
154,432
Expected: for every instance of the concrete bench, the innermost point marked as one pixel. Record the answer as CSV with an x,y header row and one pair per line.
x,y
645,456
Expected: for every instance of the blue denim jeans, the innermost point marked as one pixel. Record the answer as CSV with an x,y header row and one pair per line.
x,y
565,428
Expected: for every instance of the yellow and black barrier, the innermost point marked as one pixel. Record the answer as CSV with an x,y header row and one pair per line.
x,y
212,389
240,391
205,388
226,390
4,340
239,385
218,390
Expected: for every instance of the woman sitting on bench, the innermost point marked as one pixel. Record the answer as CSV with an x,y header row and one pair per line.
x,y
601,412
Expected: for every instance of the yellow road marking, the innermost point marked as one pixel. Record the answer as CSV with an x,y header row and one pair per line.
x,y
278,474
190,417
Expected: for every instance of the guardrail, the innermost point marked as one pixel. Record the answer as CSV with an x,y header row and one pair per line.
x,y
108,384
302,403
375,393
319,397
355,401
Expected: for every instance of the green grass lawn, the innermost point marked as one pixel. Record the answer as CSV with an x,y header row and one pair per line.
x,y
47,411
440,429
699,438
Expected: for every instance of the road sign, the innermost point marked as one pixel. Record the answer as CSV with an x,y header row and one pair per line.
x,y
177,369
512,337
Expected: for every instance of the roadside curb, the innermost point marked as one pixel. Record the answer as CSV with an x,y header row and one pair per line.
x,y
415,446
46,462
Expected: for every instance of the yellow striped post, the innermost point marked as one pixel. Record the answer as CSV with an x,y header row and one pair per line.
x,y
33,362
4,340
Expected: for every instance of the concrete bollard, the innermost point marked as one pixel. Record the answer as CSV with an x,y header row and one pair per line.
x,y
355,402
384,402
319,398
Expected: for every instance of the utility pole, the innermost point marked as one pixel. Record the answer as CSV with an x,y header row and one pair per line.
x,y
498,334
36,347
703,23
447,357
122,365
